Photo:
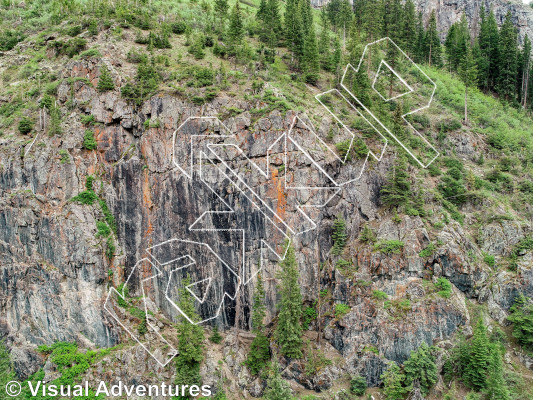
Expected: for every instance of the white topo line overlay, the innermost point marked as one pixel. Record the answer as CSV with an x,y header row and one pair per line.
x,y
206,153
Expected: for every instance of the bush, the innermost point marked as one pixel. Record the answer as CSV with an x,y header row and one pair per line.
x,y
105,80
25,125
489,260
259,354
196,49
445,287
428,251
367,235
389,246
88,197
216,337
358,385
179,27
87,119
88,140
341,310
339,236
103,229
203,76
379,295
450,125
421,367
9,39
522,319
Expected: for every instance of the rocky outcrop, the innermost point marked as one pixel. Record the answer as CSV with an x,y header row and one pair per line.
x,y
451,11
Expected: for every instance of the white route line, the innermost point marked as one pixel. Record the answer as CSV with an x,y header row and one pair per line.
x,y
208,151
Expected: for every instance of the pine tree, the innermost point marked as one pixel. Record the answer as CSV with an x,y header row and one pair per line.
x,y
259,353
477,363
355,47
338,235
277,388
293,28
323,49
457,43
408,31
190,342
508,59
493,51
421,367
393,20
306,16
397,189
420,47
274,23
236,27
336,58
393,383
372,18
289,329
310,59
496,386
522,319
105,81
262,11
468,73
432,42
524,72
221,11
345,17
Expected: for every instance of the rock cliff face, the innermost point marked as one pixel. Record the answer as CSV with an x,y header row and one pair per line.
x,y
55,277
450,11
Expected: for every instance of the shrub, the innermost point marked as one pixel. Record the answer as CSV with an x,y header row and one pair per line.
x,y
196,49
379,295
389,246
25,125
522,319
444,286
203,76
88,140
9,39
341,310
64,156
358,385
428,251
367,235
339,236
309,315
216,337
259,354
489,259
179,27
421,367
105,81
103,229
110,250
88,197
87,119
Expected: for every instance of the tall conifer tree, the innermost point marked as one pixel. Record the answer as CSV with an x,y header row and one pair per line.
x,y
432,42
289,329
508,59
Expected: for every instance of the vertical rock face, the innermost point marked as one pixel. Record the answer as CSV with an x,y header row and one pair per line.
x,y
54,276
450,11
